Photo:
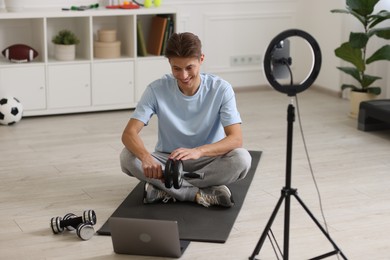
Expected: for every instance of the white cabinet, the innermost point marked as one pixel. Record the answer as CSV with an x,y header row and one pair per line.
x,y
69,86
113,83
26,83
47,86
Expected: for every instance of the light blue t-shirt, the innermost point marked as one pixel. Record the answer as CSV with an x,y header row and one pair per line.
x,y
188,121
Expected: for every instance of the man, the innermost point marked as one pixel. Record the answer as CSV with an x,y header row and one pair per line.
x,y
198,123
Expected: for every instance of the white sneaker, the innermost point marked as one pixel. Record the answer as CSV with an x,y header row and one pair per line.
x,y
153,194
216,195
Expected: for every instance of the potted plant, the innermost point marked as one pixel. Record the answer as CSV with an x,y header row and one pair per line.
x,y
355,50
65,45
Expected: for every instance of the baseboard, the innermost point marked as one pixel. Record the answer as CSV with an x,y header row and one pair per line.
x,y
325,90
321,89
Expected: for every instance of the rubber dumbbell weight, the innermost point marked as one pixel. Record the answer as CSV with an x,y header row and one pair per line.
x,y
83,224
85,231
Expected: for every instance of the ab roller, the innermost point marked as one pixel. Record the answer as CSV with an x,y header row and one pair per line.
x,y
173,174
82,224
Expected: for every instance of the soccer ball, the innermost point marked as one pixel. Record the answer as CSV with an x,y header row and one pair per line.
x,y
11,110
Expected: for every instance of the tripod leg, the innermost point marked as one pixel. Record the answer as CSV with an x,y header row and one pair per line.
x,y
267,228
286,237
320,226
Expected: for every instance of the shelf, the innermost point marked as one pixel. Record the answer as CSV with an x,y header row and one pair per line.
x,y
23,31
76,86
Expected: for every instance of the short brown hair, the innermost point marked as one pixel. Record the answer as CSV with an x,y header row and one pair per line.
x,y
183,45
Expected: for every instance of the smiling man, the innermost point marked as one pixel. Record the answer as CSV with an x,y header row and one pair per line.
x,y
198,123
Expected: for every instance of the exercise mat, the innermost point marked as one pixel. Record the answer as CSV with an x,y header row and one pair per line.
x,y
196,223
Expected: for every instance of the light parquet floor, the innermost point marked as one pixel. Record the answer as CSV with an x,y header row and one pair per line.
x,y
50,166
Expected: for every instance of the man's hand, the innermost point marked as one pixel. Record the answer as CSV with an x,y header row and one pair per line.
x,y
185,154
152,169
232,140
133,142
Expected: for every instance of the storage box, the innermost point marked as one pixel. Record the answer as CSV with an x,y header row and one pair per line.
x,y
107,50
107,35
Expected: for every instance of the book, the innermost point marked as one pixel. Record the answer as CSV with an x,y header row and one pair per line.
x,y
168,31
141,46
156,35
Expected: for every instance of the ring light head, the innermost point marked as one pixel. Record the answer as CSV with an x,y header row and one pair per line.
x,y
275,60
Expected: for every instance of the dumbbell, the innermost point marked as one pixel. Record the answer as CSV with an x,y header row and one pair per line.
x,y
82,224
173,174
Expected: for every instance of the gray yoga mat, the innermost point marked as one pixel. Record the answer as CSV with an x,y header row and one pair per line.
x,y
196,223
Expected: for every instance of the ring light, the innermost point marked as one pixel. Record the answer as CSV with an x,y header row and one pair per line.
x,y
269,62
276,57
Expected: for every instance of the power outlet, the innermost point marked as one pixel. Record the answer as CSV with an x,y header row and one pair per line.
x,y
245,60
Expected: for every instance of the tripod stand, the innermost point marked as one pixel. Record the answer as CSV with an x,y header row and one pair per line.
x,y
286,194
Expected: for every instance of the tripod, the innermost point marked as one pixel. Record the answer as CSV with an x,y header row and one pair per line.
x,y
286,194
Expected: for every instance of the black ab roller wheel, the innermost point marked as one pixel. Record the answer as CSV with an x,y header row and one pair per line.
x,y
173,174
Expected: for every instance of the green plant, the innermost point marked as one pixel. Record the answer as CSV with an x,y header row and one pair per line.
x,y
65,37
354,51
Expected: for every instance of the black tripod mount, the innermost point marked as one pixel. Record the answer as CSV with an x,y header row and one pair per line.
x,y
286,194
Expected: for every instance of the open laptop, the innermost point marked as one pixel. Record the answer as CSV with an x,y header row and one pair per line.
x,y
146,237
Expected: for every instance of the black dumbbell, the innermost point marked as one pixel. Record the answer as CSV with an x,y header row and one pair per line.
x,y
82,224
173,174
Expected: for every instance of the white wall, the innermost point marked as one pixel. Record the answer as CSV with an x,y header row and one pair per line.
x,y
332,29
232,28
383,67
315,18
245,27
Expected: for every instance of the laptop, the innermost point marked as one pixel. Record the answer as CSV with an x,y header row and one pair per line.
x,y
148,237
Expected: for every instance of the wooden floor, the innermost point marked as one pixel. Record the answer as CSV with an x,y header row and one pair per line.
x,y
50,166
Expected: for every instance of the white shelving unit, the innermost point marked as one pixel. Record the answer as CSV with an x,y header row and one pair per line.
x,y
46,86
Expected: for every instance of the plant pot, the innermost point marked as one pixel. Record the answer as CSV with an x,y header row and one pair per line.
x,y
355,99
64,52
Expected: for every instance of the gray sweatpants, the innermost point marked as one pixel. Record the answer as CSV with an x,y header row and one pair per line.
x,y
220,170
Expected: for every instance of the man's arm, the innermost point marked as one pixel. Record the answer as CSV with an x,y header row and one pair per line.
x,y
232,140
134,143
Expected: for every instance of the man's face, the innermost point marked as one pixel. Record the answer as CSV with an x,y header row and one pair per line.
x,y
187,73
